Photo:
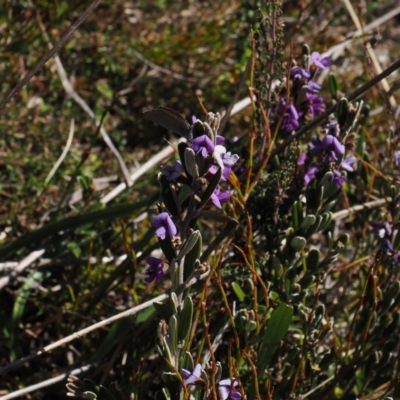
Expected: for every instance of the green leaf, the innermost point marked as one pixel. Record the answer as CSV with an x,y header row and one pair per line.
x,y
342,111
185,319
238,291
53,229
168,195
167,248
298,243
333,85
191,257
33,278
313,259
276,329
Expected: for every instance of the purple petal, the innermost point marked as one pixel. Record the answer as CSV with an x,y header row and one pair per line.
x,y
223,393
387,246
302,159
338,179
347,163
219,139
316,58
155,269
165,226
230,159
235,395
310,175
332,128
224,196
313,87
380,228
300,73
203,145
185,373
191,377
171,173
215,200
397,158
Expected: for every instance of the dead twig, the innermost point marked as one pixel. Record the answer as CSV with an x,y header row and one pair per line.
x,y
78,99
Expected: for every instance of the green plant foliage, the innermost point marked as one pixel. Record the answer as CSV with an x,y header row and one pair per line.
x,y
281,279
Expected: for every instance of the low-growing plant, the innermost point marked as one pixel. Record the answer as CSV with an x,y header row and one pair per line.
x,y
279,277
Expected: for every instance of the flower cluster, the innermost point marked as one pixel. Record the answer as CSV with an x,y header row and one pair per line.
x,y
384,231
303,102
228,389
192,183
326,154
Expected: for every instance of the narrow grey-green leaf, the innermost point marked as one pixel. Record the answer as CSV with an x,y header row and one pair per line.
x,y
185,319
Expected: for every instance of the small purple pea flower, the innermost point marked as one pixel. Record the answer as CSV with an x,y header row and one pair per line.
x,y
227,390
155,269
300,73
218,198
203,145
397,158
315,104
387,246
171,173
302,159
396,258
190,378
332,128
290,120
329,144
165,226
381,229
338,179
310,175
318,62
347,163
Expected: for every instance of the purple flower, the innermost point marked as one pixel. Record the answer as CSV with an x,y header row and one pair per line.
x,y
302,159
171,173
332,128
347,163
381,229
190,378
165,226
313,87
203,145
194,119
155,269
227,389
387,246
300,73
315,104
229,159
338,179
396,258
290,120
329,144
225,159
310,175
218,198
397,158
219,139
318,62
